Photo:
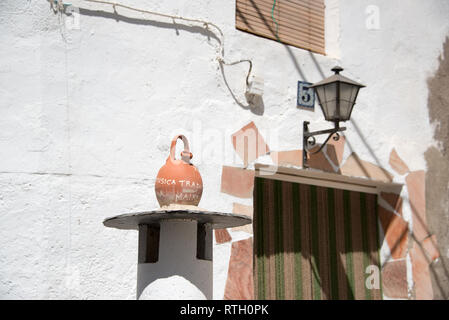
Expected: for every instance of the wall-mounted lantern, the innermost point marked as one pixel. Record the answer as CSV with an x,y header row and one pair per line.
x,y
336,96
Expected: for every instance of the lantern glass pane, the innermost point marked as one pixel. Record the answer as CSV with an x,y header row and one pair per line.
x,y
348,94
327,95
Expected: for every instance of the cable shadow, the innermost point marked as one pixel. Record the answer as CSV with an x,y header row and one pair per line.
x,y
255,105
360,164
371,151
290,53
147,22
317,65
273,32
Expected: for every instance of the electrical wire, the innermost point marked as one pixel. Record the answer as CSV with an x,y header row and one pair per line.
x,y
240,61
206,24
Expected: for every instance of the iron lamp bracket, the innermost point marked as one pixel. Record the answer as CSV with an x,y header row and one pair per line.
x,y
309,139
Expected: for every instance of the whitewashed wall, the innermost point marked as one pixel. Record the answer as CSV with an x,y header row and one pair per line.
x,y
87,114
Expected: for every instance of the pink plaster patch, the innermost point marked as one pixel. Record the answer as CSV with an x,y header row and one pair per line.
x,y
421,273
239,285
319,161
249,144
395,231
237,182
430,247
394,279
335,150
394,200
238,208
356,167
416,185
286,158
222,236
397,163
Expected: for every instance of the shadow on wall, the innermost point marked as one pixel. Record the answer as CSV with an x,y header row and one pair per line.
x,y
437,176
269,26
256,106
318,161
146,22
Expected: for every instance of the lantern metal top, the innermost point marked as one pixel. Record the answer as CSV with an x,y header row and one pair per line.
x,y
337,77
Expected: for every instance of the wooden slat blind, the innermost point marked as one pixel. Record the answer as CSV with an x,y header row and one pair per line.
x,y
300,22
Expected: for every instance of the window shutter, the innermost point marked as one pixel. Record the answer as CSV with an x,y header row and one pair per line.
x,y
300,23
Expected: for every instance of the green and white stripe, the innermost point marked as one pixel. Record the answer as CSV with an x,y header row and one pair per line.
x,y
313,242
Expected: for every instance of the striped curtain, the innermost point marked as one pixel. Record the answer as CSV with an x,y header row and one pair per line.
x,y
314,243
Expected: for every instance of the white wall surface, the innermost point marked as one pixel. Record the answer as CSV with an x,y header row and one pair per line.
x,y
87,115
178,274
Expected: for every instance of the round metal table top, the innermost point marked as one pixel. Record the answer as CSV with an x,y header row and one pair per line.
x,y
218,220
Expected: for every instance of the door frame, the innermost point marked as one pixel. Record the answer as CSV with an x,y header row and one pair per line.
x,y
324,179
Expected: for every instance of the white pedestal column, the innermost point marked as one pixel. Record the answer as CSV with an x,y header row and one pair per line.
x,y
175,249
178,273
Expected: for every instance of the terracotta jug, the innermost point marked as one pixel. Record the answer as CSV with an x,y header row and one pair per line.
x,y
179,181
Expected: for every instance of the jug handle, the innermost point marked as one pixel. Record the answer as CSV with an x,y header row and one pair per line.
x,y
186,155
